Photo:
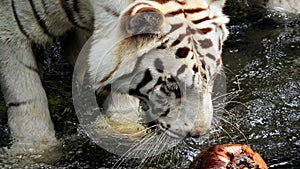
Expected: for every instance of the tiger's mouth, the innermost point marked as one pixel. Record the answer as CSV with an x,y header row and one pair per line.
x,y
171,133
177,122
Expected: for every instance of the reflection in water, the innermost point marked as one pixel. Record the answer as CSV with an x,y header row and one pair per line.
x,y
262,60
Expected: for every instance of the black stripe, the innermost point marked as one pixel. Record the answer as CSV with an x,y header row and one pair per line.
x,y
174,27
162,1
45,7
136,92
146,79
110,73
203,66
173,13
40,20
181,37
18,20
159,82
163,44
181,69
129,75
133,92
204,30
75,6
70,14
182,52
165,113
159,65
218,61
31,68
111,11
212,57
17,104
220,44
200,20
184,11
190,30
176,42
195,69
195,10
102,94
181,2
206,43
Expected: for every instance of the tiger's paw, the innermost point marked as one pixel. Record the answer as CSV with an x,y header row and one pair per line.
x,y
29,153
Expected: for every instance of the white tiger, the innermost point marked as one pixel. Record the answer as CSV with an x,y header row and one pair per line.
x,y
180,39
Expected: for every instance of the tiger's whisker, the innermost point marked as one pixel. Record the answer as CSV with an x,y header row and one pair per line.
x,y
148,154
131,151
226,95
234,126
144,130
158,146
237,102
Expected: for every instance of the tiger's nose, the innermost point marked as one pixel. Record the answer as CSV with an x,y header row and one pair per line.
x,y
196,133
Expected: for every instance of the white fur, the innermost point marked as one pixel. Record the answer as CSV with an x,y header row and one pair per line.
x,y
287,6
30,121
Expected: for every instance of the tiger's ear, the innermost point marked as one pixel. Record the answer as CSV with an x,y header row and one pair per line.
x,y
146,20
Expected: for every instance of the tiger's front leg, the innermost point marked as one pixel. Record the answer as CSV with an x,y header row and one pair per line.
x,y
28,114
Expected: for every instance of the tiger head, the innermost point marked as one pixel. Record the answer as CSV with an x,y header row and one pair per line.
x,y
165,56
